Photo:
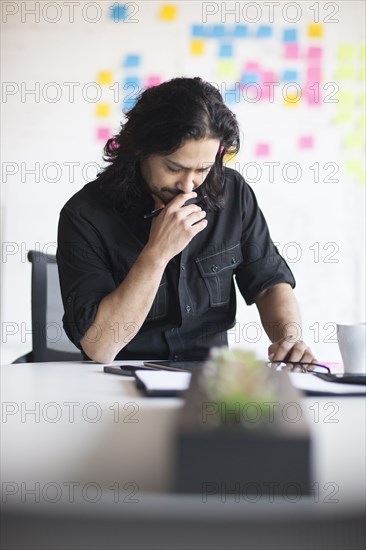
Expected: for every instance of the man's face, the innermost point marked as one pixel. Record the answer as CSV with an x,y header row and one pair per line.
x,y
182,171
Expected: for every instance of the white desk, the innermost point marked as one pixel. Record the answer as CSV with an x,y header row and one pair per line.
x,y
96,450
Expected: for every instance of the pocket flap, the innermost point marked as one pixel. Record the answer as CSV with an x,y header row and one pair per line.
x,y
212,265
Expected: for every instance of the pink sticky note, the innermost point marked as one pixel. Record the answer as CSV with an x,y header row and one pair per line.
x,y
291,51
269,76
313,93
313,74
315,53
103,133
153,80
251,67
306,142
262,150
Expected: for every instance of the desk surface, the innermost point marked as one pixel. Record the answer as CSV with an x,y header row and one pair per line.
x,y
79,432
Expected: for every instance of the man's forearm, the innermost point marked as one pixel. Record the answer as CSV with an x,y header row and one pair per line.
x,y
279,312
121,313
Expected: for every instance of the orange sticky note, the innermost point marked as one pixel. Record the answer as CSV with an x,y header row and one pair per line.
x,y
168,12
103,109
316,30
105,78
197,47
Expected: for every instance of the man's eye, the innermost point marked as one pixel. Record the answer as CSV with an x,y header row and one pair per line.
x,y
173,169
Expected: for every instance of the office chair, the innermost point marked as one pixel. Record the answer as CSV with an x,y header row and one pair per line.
x,y
49,340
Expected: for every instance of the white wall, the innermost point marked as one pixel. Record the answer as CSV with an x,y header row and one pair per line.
x,y
319,224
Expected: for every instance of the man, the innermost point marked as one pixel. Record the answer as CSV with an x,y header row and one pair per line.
x,y
147,252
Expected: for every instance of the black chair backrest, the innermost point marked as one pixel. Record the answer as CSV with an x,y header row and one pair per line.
x,y
49,340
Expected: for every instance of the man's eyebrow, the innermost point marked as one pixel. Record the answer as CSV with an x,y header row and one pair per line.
x,y
185,167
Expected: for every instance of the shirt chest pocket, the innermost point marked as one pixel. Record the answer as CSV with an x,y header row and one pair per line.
x,y
217,272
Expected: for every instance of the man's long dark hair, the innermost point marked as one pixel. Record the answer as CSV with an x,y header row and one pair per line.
x,y
163,118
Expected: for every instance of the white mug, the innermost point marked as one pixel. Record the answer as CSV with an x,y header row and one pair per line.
x,y
352,345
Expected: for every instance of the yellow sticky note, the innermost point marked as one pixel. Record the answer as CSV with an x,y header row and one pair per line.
x,y
227,68
168,12
357,168
292,100
362,73
105,78
103,109
316,30
346,52
344,115
197,47
354,141
345,72
363,52
229,158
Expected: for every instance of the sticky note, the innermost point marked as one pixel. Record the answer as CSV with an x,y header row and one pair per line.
x,y
315,30
344,115
346,98
346,52
269,76
198,31
197,47
306,142
249,78
241,31
229,158
103,109
264,31
153,80
105,78
357,169
313,74
291,51
355,140
132,81
290,76
218,31
132,60
168,12
292,99
290,35
251,67
227,68
362,73
226,50
313,94
118,12
315,53
103,133
345,72
363,52
262,150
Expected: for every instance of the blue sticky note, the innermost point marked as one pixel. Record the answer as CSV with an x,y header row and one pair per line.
x,y
132,61
290,76
290,35
226,50
249,78
198,30
132,80
264,31
118,12
240,31
217,31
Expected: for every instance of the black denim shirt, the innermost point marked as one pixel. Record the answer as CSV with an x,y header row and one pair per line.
x,y
195,304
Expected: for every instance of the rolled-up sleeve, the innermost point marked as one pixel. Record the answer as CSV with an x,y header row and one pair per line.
x,y
262,266
84,272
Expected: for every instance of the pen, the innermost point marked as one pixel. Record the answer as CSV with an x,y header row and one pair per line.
x,y
156,212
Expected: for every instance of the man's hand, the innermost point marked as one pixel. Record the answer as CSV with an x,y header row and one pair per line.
x,y
291,349
175,226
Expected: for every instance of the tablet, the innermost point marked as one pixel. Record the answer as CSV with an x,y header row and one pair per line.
x,y
174,365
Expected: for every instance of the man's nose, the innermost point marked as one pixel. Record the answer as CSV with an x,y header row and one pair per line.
x,y
187,182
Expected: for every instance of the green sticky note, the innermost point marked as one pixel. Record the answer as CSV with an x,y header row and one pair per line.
x,y
227,67
346,98
344,115
357,168
345,72
355,140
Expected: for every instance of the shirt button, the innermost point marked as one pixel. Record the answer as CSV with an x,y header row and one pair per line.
x,y
182,267
69,300
172,329
176,357
214,268
233,260
188,309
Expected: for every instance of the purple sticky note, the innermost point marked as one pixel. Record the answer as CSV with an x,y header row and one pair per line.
x,y
262,150
291,51
103,133
306,142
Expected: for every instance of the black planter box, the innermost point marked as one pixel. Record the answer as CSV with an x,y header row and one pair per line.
x,y
267,455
